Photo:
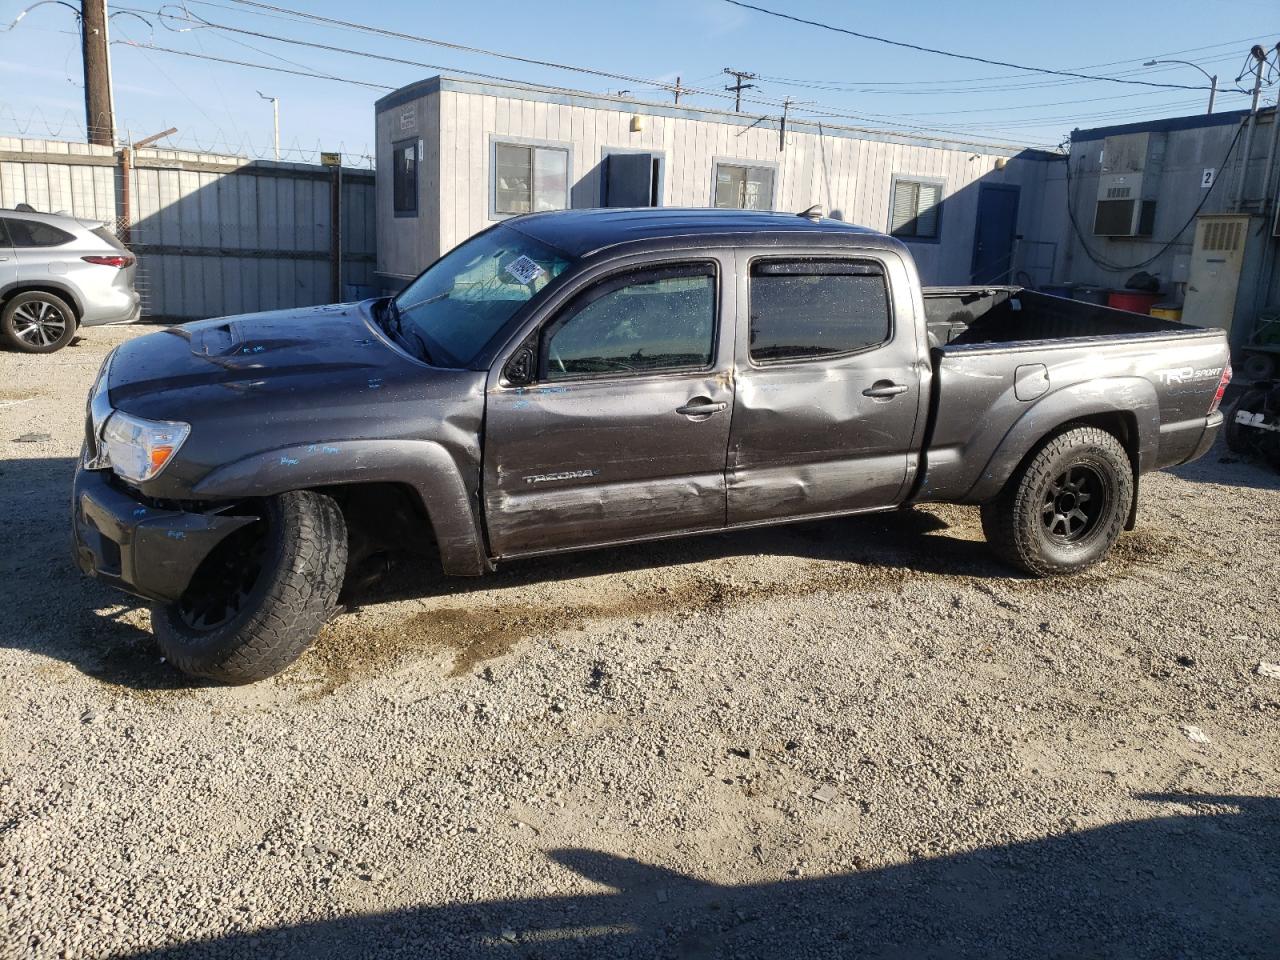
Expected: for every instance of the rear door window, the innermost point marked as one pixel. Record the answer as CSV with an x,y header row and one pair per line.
x,y
642,321
33,233
803,309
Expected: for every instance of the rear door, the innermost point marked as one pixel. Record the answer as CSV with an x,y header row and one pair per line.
x,y
8,265
828,402
623,433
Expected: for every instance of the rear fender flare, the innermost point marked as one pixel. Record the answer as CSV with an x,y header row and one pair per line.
x,y
1134,398
423,465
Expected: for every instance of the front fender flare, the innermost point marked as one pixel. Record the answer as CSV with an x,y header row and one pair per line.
x,y
423,465
1131,397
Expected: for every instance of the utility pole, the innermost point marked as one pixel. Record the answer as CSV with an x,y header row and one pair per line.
x,y
738,87
275,113
1260,56
678,90
100,121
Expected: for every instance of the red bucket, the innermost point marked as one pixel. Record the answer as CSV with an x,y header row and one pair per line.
x,y
1132,300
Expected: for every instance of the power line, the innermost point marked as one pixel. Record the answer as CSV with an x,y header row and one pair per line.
x,y
257,66
937,86
944,53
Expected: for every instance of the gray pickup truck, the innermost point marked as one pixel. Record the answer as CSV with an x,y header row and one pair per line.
x,y
588,378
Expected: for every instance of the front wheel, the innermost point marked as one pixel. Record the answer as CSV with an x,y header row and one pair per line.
x,y
1065,507
259,599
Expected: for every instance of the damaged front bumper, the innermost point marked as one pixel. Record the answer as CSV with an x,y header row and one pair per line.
x,y
145,550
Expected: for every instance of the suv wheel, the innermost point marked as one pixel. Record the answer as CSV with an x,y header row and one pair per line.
x,y
260,598
1064,509
37,322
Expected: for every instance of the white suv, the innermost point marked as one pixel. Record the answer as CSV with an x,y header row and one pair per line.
x,y
57,274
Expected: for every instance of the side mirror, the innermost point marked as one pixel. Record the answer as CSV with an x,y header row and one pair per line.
x,y
520,368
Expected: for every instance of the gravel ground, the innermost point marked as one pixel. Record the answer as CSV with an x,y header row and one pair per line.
x,y
858,737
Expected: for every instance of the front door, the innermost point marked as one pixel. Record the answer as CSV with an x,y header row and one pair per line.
x,y
994,234
1217,258
828,397
623,434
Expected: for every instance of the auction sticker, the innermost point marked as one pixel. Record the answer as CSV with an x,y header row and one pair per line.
x,y
524,269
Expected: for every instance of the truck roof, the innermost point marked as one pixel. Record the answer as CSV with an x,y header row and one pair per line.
x,y
582,232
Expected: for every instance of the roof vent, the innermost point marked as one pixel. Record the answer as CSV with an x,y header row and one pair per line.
x,y
814,213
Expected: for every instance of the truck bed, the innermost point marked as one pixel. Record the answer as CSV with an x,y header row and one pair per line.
x,y
992,316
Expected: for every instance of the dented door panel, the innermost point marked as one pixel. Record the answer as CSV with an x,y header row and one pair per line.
x,y
806,437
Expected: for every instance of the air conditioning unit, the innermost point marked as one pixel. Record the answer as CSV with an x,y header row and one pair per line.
x,y
1128,184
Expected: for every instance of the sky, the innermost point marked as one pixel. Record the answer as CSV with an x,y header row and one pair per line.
x,y
835,77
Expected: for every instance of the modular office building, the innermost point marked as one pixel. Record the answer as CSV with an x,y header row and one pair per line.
x,y
456,156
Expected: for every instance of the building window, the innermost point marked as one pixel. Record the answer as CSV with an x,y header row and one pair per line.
x,y
646,321
404,178
744,188
529,179
916,212
802,309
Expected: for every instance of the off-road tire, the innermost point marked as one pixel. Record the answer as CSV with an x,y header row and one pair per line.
x,y
303,562
23,309
1015,521
1243,440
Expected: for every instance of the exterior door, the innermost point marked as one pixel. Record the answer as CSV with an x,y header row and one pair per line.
x,y
623,434
828,397
629,180
1216,262
994,234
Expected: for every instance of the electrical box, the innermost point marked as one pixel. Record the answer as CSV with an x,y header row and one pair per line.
x,y
1128,185
1217,257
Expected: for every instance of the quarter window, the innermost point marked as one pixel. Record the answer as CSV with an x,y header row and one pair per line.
x,y
744,188
33,233
530,179
916,213
637,322
814,308
404,178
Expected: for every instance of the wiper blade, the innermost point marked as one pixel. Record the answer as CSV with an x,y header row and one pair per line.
x,y
423,352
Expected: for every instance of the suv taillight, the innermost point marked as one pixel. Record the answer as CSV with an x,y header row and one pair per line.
x,y
1222,388
117,260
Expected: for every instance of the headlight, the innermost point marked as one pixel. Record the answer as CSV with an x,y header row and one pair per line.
x,y
138,449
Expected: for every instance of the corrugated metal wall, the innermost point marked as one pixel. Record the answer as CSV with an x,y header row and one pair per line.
x,y
214,235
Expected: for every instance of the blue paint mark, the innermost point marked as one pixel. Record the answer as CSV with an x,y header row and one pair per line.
x,y
364,343
520,405
375,383
140,512
175,535
328,449
288,462
257,349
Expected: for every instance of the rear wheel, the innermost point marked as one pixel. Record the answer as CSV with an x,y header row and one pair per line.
x,y
259,600
37,322
1065,507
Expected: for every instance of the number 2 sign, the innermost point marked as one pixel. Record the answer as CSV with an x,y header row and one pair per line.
x,y
1206,178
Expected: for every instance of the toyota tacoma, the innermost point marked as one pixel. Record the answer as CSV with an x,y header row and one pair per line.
x,y
586,378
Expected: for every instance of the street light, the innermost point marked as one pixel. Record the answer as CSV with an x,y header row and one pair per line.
x,y
275,112
1213,80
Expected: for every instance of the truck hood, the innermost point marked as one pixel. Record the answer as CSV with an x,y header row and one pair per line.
x,y
282,349
265,382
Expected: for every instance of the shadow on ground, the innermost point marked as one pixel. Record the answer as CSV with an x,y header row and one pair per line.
x,y
1199,880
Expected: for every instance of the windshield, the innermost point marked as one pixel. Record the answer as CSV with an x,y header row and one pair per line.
x,y
466,297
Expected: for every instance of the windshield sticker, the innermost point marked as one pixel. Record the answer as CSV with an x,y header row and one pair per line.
x,y
524,269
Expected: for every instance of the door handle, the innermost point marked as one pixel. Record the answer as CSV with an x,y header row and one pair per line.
x,y
693,409
884,389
